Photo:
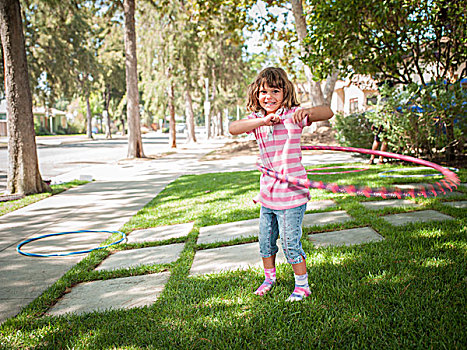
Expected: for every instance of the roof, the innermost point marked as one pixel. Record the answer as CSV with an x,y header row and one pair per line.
x,y
42,110
364,82
35,110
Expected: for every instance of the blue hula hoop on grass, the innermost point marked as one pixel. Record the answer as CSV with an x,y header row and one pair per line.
x,y
18,247
382,174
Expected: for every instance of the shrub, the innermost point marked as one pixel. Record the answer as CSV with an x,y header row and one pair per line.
x,y
423,121
353,130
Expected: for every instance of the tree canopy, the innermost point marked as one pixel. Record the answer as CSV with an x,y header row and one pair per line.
x,y
186,42
390,40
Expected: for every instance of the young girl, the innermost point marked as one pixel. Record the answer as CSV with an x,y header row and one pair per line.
x,y
277,124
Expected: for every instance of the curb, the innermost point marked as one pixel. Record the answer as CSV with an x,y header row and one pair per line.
x,y
65,141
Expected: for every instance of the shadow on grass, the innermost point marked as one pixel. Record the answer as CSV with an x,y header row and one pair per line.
x,y
405,292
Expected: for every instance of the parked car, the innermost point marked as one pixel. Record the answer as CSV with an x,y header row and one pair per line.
x,y
180,127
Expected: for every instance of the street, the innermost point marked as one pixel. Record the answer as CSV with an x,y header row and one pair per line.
x,y
58,157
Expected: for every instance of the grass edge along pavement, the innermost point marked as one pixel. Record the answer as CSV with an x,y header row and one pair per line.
x,y
407,291
12,205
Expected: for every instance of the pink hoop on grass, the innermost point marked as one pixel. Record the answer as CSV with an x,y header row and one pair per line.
x,y
449,181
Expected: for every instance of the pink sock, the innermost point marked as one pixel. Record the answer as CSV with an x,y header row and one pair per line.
x,y
269,281
302,289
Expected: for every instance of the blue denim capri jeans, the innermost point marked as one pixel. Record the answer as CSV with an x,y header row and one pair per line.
x,y
286,224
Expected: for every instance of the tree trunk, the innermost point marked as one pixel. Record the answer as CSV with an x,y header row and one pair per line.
x,y
213,102
314,88
329,87
190,117
23,174
122,121
216,124
317,97
108,130
88,116
207,110
135,143
108,126
173,133
226,115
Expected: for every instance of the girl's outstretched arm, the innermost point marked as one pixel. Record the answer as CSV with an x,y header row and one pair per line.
x,y
314,114
245,125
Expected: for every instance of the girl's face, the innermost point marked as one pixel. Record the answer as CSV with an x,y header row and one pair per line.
x,y
270,99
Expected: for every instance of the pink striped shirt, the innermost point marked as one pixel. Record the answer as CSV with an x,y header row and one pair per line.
x,y
280,151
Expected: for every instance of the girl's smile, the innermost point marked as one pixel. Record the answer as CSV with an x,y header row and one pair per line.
x,y
270,99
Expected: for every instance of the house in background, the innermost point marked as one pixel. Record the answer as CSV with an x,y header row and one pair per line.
x,y
360,92
354,95
49,122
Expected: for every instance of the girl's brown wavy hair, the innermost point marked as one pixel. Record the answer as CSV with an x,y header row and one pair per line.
x,y
274,78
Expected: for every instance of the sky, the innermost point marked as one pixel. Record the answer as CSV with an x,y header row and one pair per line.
x,y
254,44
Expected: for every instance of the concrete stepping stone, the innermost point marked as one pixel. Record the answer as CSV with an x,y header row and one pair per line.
x,y
450,194
348,237
250,228
165,254
330,217
416,216
409,186
237,257
229,231
118,293
320,205
458,204
390,203
160,233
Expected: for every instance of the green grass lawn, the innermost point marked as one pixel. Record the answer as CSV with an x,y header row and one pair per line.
x,y
408,291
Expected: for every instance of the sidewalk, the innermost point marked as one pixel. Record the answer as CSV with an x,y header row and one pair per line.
x,y
118,192
60,140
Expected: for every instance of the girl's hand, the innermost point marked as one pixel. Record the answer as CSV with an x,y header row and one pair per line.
x,y
271,119
301,114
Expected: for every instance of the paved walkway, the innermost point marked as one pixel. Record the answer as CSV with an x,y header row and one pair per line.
x,y
119,191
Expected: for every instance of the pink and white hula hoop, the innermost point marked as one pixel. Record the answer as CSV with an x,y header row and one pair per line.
x,y
449,181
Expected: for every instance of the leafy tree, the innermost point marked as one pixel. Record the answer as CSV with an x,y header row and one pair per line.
x,y
23,174
394,40
162,32
426,121
186,41
62,42
221,56
111,78
319,94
